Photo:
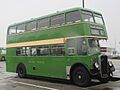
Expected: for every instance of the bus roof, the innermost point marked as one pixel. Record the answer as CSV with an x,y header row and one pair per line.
x,y
58,12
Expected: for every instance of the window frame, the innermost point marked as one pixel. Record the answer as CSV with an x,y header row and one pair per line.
x,y
37,22
19,25
8,31
72,21
76,48
94,15
87,14
57,19
26,24
68,48
43,47
23,51
57,46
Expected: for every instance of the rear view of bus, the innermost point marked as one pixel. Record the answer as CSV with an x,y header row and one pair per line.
x,y
62,45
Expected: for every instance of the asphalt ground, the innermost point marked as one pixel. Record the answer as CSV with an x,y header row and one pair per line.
x,y
10,81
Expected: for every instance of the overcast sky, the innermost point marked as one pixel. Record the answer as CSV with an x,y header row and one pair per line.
x,y
13,11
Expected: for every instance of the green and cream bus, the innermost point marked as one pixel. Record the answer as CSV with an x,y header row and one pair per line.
x,y
2,54
62,45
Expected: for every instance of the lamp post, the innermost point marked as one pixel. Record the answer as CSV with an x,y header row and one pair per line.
x,y
83,3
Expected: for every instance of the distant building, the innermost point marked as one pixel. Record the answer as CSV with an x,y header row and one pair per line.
x,y
110,52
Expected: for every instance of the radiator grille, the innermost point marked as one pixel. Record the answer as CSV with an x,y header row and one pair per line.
x,y
104,66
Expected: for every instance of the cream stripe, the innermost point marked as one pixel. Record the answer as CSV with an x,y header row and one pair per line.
x,y
41,42
50,41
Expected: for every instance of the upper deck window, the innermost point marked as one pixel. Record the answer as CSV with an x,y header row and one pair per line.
x,y
73,17
43,23
21,28
12,30
31,26
57,20
98,18
87,16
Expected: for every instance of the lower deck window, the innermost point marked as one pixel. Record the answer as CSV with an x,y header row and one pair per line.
x,y
57,50
42,50
52,50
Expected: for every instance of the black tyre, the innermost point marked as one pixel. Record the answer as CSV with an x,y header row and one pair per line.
x,y
2,58
21,70
103,80
81,77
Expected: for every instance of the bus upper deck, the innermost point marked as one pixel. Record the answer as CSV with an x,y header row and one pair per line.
x,y
71,22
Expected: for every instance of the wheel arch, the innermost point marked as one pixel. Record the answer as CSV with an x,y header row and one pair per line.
x,y
77,65
19,64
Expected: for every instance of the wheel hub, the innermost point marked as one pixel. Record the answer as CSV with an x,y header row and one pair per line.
x,y
21,71
79,76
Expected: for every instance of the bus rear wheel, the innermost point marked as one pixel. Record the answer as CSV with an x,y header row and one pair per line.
x,y
21,70
81,77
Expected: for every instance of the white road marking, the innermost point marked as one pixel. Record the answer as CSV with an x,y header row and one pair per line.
x,y
33,85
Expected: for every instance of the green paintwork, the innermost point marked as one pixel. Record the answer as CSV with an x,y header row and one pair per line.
x,y
80,29
50,66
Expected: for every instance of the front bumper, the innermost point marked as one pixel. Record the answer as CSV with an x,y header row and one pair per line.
x,y
103,69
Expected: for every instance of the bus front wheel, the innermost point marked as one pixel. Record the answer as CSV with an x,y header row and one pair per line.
x,y
81,77
21,70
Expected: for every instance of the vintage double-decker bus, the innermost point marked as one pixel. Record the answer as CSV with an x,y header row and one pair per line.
x,y
62,45
2,54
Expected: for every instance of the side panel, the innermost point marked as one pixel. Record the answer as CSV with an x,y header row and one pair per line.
x,y
10,60
85,60
50,66
47,66
51,33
